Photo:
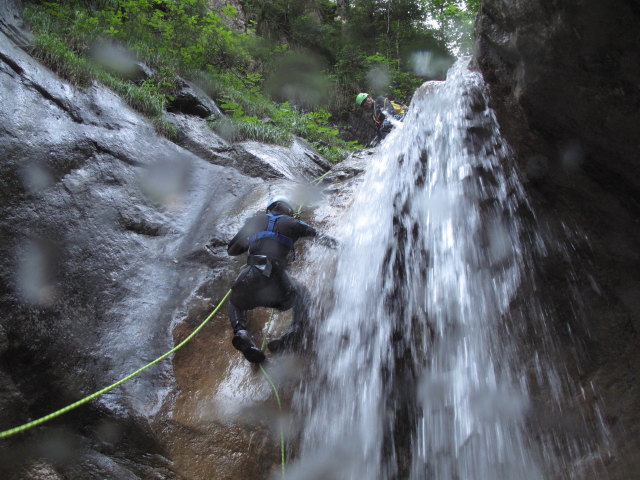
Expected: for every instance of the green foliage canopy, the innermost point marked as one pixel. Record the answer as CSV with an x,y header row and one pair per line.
x,y
311,56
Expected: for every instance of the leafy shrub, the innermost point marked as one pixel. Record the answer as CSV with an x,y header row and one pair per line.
x,y
177,38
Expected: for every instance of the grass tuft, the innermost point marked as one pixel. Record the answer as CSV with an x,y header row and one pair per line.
x,y
145,98
237,130
52,51
165,128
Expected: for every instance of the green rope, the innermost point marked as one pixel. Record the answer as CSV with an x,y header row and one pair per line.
x,y
275,392
297,214
84,400
321,177
57,413
264,338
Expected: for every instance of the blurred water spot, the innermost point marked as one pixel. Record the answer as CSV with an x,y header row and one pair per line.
x,y
425,63
378,77
299,79
109,432
439,205
536,167
34,274
498,403
278,420
227,130
114,59
432,389
327,463
35,178
306,195
77,181
288,368
499,241
58,446
165,181
572,156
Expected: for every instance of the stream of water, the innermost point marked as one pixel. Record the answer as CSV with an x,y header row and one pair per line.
x,y
418,371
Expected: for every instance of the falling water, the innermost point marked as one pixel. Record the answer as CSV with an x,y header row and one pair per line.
x,y
418,373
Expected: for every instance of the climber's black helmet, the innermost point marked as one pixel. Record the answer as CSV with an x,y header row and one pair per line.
x,y
282,204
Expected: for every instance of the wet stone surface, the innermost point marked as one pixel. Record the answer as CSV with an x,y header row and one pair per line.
x,y
564,83
191,100
113,251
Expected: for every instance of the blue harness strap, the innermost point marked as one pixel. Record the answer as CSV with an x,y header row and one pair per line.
x,y
269,233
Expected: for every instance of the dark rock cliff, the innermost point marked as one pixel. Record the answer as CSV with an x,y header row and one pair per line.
x,y
113,248
565,77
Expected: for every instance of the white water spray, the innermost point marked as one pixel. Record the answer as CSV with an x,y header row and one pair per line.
x,y
418,373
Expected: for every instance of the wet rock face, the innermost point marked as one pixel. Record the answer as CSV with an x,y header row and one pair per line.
x,y
297,162
568,70
564,81
12,24
190,99
113,249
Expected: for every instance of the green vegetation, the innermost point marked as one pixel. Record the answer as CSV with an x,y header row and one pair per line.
x,y
277,68
145,97
238,129
386,47
283,121
455,22
54,52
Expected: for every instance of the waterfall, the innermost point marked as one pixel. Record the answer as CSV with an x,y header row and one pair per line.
x,y
418,372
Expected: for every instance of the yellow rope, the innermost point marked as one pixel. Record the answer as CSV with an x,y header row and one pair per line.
x,y
57,413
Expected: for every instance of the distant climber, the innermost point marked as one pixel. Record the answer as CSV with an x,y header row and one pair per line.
x,y
383,110
263,281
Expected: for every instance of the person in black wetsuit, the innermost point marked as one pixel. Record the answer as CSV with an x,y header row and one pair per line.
x,y
263,281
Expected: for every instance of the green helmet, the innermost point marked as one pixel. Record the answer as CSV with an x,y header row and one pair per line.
x,y
361,97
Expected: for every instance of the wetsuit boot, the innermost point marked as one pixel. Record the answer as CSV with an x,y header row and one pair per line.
x,y
242,341
241,338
